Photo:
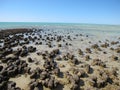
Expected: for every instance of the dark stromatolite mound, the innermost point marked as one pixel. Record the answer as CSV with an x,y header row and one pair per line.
x,y
74,61
73,80
80,52
30,60
95,46
103,78
1,67
117,50
56,71
46,80
44,75
105,45
12,86
88,50
4,80
13,68
50,55
114,42
35,74
87,57
24,53
114,58
31,49
70,56
80,73
87,68
50,83
98,62
7,51
9,59
35,85
49,65
17,52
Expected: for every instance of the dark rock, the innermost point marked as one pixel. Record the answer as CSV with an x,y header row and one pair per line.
x,y
70,56
24,65
105,45
4,60
57,71
88,68
44,75
24,47
59,45
33,75
113,42
100,83
88,50
4,72
51,84
11,84
27,70
81,73
17,62
11,73
75,61
8,51
1,67
30,60
31,49
95,46
38,53
56,51
114,58
17,53
24,53
35,85
80,52
49,45
98,62
87,57
117,50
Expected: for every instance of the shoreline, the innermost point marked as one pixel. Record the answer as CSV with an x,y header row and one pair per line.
x,y
7,32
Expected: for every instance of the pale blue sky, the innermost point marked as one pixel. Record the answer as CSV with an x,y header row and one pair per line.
x,y
69,11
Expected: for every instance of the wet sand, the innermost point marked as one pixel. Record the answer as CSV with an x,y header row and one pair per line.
x,y
38,59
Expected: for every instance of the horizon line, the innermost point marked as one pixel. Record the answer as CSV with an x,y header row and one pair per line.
x,y
56,22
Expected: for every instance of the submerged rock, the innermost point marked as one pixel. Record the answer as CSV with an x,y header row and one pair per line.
x,y
80,52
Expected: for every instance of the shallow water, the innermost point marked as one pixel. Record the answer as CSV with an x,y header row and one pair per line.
x,y
101,31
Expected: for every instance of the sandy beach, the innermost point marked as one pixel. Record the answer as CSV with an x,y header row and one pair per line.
x,y
39,59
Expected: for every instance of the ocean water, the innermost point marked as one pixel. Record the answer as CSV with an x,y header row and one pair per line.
x,y
101,30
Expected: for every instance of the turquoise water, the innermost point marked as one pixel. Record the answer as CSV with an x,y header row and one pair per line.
x,y
93,29
4,25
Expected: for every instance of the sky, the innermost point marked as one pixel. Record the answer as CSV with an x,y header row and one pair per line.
x,y
66,11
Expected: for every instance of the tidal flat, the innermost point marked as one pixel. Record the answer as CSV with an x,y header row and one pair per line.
x,y
48,59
